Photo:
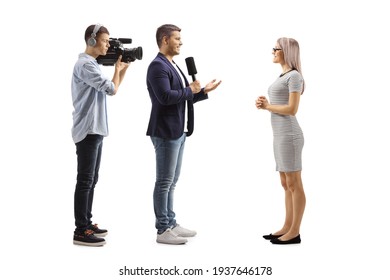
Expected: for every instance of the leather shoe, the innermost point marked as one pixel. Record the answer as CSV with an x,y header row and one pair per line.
x,y
295,240
271,236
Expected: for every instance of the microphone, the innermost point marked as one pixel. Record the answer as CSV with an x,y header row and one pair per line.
x,y
191,67
124,40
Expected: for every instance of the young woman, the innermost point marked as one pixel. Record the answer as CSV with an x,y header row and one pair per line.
x,y
284,95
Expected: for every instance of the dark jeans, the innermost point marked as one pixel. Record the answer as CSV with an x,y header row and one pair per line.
x,y
89,152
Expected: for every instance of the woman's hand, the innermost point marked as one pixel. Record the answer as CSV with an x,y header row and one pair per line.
x,y
261,102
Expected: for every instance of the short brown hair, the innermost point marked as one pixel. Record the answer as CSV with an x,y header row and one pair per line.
x,y
89,30
165,30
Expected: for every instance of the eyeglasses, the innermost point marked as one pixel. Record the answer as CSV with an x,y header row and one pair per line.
x,y
276,49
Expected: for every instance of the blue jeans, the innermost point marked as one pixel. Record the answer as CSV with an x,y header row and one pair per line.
x,y
169,155
89,152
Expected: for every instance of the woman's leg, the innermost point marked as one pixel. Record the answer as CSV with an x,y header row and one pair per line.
x,y
288,206
298,199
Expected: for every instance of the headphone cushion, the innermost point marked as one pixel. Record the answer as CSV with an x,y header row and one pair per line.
x,y
91,42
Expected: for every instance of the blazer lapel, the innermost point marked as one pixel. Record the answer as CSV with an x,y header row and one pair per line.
x,y
173,68
184,76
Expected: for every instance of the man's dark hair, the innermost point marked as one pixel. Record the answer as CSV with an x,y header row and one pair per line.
x,y
89,30
165,30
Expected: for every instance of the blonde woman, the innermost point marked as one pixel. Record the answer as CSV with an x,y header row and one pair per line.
x,y
284,95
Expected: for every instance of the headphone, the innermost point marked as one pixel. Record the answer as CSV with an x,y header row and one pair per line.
x,y
92,41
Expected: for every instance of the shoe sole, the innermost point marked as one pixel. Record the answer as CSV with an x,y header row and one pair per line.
x,y
185,235
95,244
100,234
172,243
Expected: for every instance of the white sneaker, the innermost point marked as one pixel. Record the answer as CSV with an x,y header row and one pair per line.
x,y
169,237
183,232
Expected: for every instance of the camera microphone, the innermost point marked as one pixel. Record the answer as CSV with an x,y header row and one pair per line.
x,y
125,40
191,67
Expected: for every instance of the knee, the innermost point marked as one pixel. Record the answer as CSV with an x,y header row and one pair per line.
x,y
290,187
284,185
293,183
86,181
295,186
165,184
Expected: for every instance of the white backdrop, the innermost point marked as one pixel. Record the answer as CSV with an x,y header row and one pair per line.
x,y
228,190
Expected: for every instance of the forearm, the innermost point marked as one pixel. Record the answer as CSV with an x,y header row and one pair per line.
x,y
122,75
282,109
117,79
289,109
200,96
167,96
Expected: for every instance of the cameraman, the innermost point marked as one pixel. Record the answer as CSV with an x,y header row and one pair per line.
x,y
89,90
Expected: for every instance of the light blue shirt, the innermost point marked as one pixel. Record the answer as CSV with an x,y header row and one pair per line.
x,y
89,90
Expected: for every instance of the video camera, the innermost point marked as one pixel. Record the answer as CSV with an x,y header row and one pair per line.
x,y
116,49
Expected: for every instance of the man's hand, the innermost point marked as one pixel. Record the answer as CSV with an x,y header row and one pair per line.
x,y
195,87
211,86
119,65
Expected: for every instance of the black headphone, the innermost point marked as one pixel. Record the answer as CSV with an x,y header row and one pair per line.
x,y
92,41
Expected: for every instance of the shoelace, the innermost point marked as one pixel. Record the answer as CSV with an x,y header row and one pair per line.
x,y
88,232
95,226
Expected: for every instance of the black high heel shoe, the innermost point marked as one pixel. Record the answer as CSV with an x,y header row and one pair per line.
x,y
271,236
295,240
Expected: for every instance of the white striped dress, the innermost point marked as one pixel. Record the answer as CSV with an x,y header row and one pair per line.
x,y
288,136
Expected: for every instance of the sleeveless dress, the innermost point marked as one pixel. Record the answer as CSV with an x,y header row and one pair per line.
x,y
288,136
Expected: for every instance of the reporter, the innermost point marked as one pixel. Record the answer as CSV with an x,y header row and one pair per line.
x,y
170,94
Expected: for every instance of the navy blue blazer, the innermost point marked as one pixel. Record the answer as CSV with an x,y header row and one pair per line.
x,y
169,97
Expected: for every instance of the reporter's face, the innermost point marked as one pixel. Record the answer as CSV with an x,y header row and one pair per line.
x,y
174,43
102,43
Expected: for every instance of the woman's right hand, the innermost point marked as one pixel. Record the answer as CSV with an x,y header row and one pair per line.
x,y
261,102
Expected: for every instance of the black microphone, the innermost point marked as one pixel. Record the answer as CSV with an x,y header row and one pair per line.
x,y
191,67
125,40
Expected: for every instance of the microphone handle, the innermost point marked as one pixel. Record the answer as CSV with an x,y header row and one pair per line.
x,y
193,77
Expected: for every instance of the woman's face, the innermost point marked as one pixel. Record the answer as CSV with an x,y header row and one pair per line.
x,y
278,56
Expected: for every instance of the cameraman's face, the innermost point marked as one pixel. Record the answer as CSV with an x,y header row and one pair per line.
x,y
102,44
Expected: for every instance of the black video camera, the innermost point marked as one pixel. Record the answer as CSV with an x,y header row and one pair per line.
x,y
116,49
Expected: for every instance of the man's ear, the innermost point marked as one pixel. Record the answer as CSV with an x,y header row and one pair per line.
x,y
165,40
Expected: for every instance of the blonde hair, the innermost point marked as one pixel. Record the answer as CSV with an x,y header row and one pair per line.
x,y
291,54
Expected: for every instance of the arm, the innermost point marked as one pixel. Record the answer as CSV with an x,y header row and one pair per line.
x,y
165,87
290,109
119,73
211,86
295,87
203,94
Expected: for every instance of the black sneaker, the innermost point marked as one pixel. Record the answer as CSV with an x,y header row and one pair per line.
x,y
88,239
98,231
